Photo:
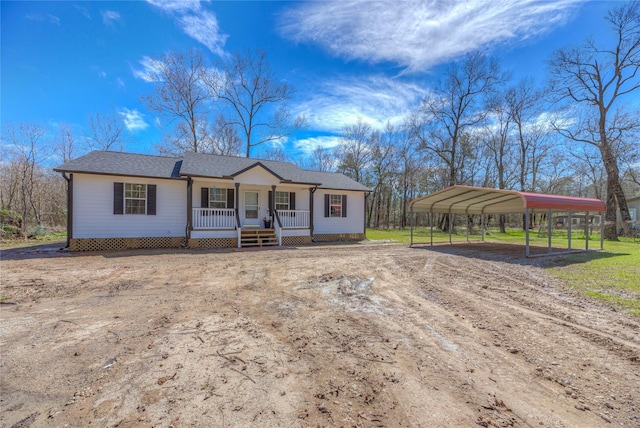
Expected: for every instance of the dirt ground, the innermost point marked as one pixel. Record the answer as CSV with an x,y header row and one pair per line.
x,y
358,335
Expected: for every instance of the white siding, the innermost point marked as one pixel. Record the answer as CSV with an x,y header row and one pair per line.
x,y
353,223
93,209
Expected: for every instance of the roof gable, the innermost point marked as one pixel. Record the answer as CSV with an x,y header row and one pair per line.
x,y
257,165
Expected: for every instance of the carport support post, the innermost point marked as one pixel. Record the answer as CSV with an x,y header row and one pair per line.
x,y
526,232
466,217
431,226
549,230
411,227
569,232
450,227
482,226
586,231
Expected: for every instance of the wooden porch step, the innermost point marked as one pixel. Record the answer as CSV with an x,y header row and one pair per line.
x,y
258,238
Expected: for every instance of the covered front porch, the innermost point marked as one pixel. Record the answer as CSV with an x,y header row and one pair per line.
x,y
229,218
243,214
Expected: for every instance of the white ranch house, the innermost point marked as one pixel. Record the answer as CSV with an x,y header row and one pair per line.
x,y
123,200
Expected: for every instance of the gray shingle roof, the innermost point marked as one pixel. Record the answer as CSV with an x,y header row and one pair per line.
x,y
201,165
130,164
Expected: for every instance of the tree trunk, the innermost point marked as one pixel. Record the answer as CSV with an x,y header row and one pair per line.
x,y
615,195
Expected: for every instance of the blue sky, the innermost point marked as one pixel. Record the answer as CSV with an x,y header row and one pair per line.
x,y
62,61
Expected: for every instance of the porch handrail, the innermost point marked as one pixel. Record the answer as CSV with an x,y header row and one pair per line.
x,y
214,218
294,219
277,226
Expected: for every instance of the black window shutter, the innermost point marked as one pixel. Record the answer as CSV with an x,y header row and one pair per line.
x,y
231,199
151,199
270,201
344,205
326,205
292,201
204,197
118,198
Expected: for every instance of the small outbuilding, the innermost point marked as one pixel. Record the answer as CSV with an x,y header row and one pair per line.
x,y
468,201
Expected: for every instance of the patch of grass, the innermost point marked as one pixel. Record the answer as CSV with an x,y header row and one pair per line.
x,y
48,238
631,305
613,275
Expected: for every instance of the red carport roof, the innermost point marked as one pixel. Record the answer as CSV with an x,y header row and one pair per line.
x,y
479,200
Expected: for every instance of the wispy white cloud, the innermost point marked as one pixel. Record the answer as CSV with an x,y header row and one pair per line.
x,y
151,70
419,34
83,11
133,120
337,103
51,19
196,22
110,17
308,145
176,6
120,82
203,27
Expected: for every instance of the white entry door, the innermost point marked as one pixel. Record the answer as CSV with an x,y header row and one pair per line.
x,y
251,208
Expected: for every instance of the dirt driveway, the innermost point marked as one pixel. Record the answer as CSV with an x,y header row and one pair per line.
x,y
318,336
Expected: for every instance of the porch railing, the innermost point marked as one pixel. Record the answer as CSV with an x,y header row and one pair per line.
x,y
213,218
294,219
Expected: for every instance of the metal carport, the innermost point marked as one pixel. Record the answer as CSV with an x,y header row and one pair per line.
x,y
481,201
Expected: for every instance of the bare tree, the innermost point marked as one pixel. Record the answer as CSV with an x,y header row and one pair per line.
x,y
321,159
597,78
524,105
65,145
25,148
255,99
181,97
498,142
354,151
453,109
383,151
224,138
106,132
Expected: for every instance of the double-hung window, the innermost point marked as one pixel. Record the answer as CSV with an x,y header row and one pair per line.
x,y
218,198
282,201
135,198
335,205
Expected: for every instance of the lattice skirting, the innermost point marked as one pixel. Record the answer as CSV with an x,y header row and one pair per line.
x,y
213,243
327,237
110,244
292,241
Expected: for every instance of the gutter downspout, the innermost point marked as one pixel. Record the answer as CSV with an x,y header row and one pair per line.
x,y
364,226
69,181
189,211
312,191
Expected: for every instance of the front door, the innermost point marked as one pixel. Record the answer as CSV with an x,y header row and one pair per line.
x,y
251,208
